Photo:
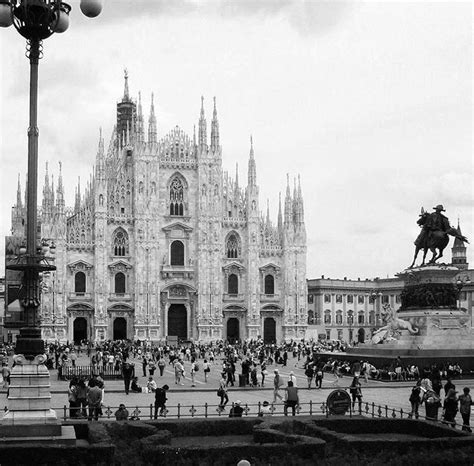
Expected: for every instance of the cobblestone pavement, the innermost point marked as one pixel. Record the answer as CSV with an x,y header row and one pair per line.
x,y
393,394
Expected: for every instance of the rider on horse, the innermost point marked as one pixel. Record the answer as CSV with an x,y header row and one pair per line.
x,y
435,221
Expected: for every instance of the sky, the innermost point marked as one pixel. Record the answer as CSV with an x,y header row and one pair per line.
x,y
369,102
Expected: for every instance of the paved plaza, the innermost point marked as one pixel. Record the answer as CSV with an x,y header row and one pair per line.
x,y
393,394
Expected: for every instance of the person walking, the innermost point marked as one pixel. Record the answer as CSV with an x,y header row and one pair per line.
x,y
206,368
465,403
127,374
415,400
160,400
291,398
356,392
277,383
178,372
222,392
319,375
430,399
450,408
94,399
194,369
144,365
161,365
309,372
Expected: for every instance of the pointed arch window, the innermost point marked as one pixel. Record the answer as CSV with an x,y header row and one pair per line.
x,y
232,246
233,284
120,243
120,283
176,197
177,253
80,282
269,284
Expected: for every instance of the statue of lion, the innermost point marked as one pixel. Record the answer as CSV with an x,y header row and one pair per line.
x,y
393,325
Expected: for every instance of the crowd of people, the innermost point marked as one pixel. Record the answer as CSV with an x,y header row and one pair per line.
x,y
246,364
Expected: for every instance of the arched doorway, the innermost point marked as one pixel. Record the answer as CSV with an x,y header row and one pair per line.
x,y
233,333
120,328
178,321
269,330
79,330
361,335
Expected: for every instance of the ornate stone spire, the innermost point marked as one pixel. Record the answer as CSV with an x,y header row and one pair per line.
x,y
60,203
288,203
202,136
214,130
252,171
140,124
18,194
152,123
126,96
280,218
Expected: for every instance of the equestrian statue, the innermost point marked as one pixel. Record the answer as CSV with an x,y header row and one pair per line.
x,y
435,229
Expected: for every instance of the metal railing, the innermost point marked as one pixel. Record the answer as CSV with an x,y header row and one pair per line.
x,y
106,372
206,411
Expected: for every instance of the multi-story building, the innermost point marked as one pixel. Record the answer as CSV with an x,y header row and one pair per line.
x,y
350,310
165,243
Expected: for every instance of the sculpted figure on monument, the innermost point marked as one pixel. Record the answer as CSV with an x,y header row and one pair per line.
x,y
435,229
392,327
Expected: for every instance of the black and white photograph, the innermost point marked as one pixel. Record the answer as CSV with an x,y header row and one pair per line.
x,y
221,209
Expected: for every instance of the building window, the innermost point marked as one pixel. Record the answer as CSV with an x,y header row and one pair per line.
x,y
361,318
317,318
120,243
310,299
339,317
371,317
398,299
119,283
233,284
360,299
310,317
350,317
80,282
339,298
177,253
232,246
339,334
350,298
328,334
176,197
327,316
327,298
269,284
385,299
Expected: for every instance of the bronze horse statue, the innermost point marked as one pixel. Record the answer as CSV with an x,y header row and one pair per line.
x,y
435,241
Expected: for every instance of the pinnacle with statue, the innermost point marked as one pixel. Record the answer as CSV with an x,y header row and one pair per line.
x,y
434,235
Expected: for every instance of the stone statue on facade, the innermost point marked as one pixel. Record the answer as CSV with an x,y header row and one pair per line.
x,y
392,327
435,229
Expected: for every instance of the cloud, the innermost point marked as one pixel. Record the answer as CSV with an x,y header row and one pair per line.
x,y
308,17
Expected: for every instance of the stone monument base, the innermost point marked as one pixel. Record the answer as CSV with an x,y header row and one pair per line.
x,y
29,416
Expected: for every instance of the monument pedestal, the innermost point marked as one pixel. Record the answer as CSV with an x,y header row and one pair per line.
x,y
442,331
29,412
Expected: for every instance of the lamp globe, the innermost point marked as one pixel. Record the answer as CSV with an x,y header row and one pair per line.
x,y
6,19
91,8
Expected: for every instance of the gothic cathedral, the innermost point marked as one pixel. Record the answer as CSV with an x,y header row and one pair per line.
x,y
165,245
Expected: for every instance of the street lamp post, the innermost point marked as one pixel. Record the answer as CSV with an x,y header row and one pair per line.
x,y
35,20
459,286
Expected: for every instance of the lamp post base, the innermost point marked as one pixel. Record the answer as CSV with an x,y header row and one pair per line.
x,y
29,398
29,343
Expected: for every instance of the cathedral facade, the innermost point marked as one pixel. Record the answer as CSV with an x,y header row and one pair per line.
x,y
164,244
